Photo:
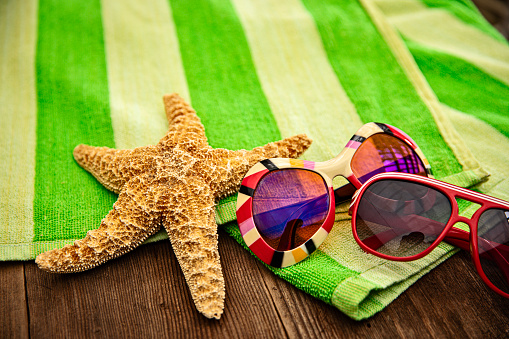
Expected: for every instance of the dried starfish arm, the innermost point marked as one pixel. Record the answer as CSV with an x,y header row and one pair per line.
x,y
228,177
183,120
192,231
112,167
174,183
291,147
126,226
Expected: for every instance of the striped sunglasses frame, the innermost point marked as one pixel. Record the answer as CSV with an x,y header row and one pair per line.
x,y
340,165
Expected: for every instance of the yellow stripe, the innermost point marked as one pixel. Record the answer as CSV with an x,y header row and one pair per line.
x,y
296,76
407,62
299,254
493,155
18,111
297,163
144,62
440,30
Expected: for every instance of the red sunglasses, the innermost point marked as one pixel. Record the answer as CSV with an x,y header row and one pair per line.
x,y
285,207
403,217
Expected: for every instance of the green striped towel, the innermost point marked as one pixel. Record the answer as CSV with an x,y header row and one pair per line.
x,y
94,72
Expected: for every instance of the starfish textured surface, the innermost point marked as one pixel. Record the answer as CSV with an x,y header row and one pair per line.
x,y
176,184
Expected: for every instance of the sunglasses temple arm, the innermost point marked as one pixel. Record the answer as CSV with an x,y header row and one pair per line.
x,y
461,239
287,241
344,193
455,237
398,225
497,252
492,251
458,238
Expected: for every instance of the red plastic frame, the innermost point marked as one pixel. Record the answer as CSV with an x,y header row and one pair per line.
x,y
457,237
340,165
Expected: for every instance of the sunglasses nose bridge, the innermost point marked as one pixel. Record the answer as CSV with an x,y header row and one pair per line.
x,y
465,220
334,167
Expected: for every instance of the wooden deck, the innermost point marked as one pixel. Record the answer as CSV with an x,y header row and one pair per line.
x,y
143,295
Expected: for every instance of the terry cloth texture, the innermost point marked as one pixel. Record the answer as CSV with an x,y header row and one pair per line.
x,y
94,72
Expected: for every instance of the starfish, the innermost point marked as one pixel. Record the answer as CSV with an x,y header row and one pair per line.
x,y
176,184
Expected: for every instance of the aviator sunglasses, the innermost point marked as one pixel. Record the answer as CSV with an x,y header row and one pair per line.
x,y
286,207
403,217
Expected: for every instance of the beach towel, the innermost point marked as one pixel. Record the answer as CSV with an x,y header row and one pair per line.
x,y
94,72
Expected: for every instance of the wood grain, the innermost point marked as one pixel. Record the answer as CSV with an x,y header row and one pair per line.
x,y
143,294
450,301
13,309
496,12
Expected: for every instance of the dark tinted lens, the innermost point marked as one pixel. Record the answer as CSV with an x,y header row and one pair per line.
x,y
289,206
400,218
493,244
382,153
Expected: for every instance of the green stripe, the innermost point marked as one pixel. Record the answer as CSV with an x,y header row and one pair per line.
x,y
365,294
319,275
73,108
464,87
373,79
438,29
302,89
466,11
222,80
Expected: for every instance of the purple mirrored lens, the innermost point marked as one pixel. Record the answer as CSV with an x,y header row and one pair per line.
x,y
493,247
400,218
382,153
289,206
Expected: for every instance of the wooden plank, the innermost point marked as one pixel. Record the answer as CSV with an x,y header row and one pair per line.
x,y
302,314
249,307
143,294
450,301
13,310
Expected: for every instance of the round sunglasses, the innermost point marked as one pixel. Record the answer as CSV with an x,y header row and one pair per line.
x,y
403,217
285,207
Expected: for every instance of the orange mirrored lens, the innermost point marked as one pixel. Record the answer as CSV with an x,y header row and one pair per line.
x,y
382,153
